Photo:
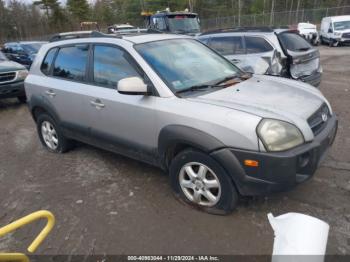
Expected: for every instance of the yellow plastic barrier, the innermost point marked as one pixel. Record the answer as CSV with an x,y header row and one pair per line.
x,y
36,242
13,257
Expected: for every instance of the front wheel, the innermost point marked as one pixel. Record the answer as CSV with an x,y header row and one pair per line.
x,y
202,182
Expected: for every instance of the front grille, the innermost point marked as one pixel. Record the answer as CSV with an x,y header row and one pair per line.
x,y
346,35
6,77
318,120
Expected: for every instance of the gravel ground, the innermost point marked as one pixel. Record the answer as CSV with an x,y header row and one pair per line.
x,y
108,204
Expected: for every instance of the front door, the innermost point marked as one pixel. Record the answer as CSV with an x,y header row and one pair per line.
x,y
119,122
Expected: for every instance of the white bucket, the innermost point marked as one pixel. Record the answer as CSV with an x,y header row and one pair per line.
x,y
298,237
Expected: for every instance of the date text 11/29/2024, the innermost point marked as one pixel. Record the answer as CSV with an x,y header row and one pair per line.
x,y
174,258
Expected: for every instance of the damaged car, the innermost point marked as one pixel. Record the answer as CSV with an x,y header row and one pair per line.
x,y
277,52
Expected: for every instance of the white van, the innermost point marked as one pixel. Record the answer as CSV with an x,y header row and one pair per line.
x,y
335,30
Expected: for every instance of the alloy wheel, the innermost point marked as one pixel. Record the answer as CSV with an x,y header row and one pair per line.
x,y
200,184
49,135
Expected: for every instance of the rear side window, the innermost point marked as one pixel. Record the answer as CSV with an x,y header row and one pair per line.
x,y
230,45
293,42
71,62
46,65
257,45
111,64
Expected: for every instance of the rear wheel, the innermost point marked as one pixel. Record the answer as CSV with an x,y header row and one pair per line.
x,y
201,182
50,134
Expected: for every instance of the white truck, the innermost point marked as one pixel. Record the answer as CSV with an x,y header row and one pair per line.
x,y
335,30
309,32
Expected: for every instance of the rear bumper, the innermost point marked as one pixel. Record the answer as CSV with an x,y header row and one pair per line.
x,y
278,171
12,89
314,79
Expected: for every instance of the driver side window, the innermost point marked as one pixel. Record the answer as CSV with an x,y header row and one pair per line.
x,y
110,65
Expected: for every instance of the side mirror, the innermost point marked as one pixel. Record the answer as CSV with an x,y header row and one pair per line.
x,y
132,86
330,30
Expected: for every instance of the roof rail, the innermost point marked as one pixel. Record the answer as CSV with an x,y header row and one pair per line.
x,y
263,29
80,34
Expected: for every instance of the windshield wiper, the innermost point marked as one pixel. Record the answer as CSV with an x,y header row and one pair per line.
x,y
194,88
226,79
201,87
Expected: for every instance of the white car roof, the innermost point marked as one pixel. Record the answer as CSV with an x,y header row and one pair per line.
x,y
339,18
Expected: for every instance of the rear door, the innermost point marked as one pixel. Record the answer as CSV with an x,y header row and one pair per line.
x,y
64,86
232,47
303,58
260,55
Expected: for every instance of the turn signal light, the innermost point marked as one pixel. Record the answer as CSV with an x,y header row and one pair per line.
x,y
252,163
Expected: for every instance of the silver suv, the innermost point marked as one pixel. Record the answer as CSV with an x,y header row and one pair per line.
x,y
170,101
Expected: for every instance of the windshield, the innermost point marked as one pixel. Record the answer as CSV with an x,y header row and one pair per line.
x,y
2,56
183,23
184,63
293,42
32,48
342,25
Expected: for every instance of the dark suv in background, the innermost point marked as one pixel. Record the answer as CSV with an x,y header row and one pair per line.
x,y
12,77
22,52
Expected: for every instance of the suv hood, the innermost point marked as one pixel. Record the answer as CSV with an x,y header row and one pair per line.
x,y
269,97
6,66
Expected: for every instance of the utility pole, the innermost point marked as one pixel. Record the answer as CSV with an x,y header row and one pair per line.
x,y
272,10
239,12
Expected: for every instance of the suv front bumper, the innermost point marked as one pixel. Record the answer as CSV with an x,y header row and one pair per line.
x,y
9,90
277,171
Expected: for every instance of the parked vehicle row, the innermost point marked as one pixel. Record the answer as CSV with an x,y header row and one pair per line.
x,y
172,102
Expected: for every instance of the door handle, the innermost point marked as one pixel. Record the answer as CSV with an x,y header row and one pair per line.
x,y
50,93
235,61
97,103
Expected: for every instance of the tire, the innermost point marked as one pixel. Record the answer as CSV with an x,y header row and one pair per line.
x,y
53,140
322,41
194,188
22,99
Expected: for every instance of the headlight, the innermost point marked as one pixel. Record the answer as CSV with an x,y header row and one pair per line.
x,y
337,33
279,135
22,74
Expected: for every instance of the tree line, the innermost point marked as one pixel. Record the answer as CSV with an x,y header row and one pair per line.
x,y
19,20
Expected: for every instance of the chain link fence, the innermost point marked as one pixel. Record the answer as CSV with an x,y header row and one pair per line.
x,y
274,19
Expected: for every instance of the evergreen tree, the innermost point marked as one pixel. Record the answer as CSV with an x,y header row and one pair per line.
x,y
79,9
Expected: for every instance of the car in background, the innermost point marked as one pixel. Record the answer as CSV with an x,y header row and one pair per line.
x,y
22,52
12,77
174,22
120,28
309,32
335,30
263,50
